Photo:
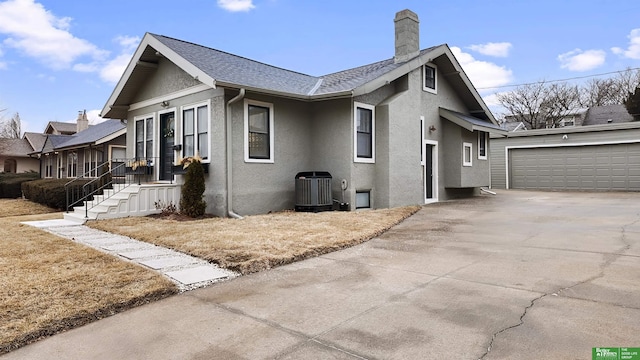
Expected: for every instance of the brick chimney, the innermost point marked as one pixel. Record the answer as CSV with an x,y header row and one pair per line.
x,y
407,35
82,122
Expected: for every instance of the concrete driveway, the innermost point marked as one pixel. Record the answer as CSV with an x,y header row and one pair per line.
x,y
520,275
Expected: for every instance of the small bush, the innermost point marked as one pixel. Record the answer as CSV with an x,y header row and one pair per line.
x,y
49,192
11,183
191,201
165,208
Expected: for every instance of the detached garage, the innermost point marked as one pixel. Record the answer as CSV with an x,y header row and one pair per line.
x,y
597,158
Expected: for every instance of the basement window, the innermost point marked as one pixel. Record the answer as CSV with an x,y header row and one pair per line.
x,y
363,199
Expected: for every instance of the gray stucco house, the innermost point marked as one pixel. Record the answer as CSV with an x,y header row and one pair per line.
x,y
411,129
81,153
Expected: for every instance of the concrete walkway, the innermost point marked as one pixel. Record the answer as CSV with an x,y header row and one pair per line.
x,y
520,275
186,271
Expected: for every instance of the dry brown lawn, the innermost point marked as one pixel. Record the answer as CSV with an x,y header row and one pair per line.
x,y
16,207
51,284
260,242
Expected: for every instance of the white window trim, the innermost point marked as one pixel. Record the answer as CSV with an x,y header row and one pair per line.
x,y
111,147
423,161
48,163
144,134
195,128
356,158
486,145
70,173
434,166
424,85
466,145
272,129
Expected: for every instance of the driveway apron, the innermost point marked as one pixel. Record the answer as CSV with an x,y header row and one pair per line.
x,y
518,275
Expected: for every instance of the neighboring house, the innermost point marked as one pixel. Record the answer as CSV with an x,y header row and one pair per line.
x,y
80,154
14,156
609,114
406,130
513,126
64,128
573,117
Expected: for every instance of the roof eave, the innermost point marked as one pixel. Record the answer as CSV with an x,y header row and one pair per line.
x,y
150,40
346,93
454,118
111,136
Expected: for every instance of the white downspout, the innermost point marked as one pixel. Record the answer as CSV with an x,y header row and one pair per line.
x,y
230,211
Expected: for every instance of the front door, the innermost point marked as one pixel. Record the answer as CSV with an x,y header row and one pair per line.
x,y
430,172
167,133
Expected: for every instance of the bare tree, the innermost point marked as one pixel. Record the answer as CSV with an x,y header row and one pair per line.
x,y
540,105
11,128
613,90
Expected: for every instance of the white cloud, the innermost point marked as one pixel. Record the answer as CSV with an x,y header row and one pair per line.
x,y
483,74
578,60
40,34
236,5
500,49
94,117
128,43
112,71
633,51
3,65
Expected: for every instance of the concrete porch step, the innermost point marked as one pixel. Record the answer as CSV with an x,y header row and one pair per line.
x,y
133,200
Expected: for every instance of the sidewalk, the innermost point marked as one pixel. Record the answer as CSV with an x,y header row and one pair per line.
x,y
187,272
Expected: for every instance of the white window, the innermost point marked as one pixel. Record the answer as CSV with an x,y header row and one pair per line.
x,y
258,132
48,166
467,154
144,137
430,78
195,131
363,199
364,134
92,159
568,121
61,166
482,145
72,164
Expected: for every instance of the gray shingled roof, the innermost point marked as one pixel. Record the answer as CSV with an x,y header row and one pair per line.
x,y
93,134
15,147
225,67
352,78
53,141
233,69
63,127
599,115
36,140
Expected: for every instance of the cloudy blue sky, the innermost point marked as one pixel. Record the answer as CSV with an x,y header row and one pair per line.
x,y
61,56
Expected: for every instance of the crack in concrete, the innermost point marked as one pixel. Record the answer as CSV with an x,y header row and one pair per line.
x,y
524,313
609,259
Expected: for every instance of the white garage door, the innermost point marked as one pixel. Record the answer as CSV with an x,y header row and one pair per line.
x,y
594,167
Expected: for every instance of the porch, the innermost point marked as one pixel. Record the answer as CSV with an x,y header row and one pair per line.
x,y
122,188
